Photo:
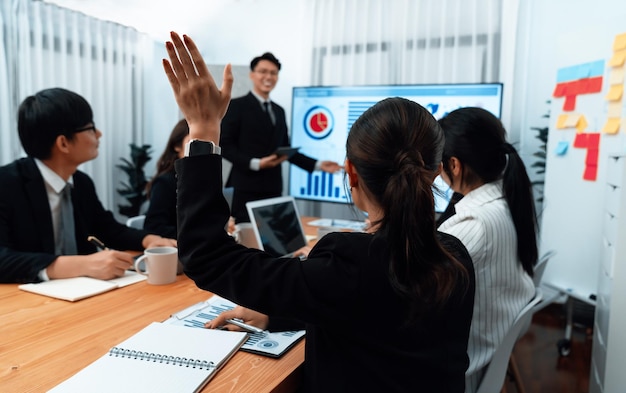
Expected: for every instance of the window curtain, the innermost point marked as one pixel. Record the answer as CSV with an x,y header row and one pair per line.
x,y
358,42
46,46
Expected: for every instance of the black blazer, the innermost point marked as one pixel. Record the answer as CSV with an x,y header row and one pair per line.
x,y
26,233
248,133
161,214
342,292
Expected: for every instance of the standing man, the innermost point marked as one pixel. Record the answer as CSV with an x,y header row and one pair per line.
x,y
48,208
252,129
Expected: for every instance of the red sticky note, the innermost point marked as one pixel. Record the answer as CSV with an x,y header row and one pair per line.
x,y
593,140
580,140
592,157
559,90
595,85
591,172
569,104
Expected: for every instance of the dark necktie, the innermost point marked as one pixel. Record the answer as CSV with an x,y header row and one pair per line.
x,y
270,112
66,225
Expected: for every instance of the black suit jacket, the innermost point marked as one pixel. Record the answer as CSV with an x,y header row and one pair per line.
x,y
161,214
26,233
340,292
248,133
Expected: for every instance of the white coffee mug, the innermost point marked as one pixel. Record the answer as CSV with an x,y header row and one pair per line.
x,y
160,264
244,235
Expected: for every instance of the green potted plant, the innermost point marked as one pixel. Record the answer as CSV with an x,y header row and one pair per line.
x,y
134,189
540,154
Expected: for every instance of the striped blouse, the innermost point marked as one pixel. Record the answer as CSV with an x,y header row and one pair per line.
x,y
484,225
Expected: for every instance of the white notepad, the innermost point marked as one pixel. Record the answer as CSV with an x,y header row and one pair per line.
x,y
159,358
73,289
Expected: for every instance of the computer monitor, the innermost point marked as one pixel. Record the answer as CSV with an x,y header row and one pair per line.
x,y
322,116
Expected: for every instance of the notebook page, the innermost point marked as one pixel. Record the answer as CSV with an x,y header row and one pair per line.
x,y
70,289
140,371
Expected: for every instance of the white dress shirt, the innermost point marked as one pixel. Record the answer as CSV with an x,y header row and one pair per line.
x,y
484,225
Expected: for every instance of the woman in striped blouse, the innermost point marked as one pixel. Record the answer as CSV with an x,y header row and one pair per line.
x,y
496,222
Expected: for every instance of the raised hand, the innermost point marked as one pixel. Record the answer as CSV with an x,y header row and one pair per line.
x,y
199,99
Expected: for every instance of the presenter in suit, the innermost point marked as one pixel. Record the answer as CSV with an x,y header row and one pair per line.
x,y
58,134
250,135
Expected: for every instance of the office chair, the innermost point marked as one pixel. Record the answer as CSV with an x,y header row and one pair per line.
x,y
493,380
136,222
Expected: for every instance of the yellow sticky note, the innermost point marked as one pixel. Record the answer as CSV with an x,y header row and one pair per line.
x,y
618,58
620,42
616,77
615,109
572,121
582,124
615,93
612,125
560,122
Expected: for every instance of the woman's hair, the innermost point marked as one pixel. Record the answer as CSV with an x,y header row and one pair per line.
x,y
478,140
395,147
170,155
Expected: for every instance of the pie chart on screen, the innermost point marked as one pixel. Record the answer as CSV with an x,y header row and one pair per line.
x,y
318,122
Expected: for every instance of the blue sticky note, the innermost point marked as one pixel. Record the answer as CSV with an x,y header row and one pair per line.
x,y
561,148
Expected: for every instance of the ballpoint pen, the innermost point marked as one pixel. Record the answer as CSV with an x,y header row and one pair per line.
x,y
96,242
245,326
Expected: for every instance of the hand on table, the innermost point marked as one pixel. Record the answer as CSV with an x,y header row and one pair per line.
x,y
247,315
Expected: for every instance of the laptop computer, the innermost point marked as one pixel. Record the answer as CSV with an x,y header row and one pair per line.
x,y
277,226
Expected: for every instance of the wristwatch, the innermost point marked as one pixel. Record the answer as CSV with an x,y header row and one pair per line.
x,y
197,147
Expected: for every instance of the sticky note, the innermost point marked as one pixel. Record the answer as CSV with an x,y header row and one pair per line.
x,y
616,76
582,124
572,120
615,109
561,148
620,42
612,125
569,104
580,140
615,93
591,172
560,121
592,157
618,58
559,90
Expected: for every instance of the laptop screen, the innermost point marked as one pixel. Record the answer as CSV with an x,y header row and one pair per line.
x,y
277,225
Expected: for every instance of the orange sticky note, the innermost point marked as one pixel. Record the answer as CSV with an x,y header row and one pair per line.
x,y
560,121
615,109
616,76
572,120
620,42
618,58
582,124
615,93
612,125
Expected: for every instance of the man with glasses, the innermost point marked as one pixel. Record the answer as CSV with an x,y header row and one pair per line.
x,y
253,128
48,208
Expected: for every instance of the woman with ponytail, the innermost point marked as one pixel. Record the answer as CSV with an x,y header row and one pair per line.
x,y
385,311
495,220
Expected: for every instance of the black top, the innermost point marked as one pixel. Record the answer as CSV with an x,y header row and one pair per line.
x,y
161,214
357,335
26,233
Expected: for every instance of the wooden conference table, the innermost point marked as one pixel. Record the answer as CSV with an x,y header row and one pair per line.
x,y
44,341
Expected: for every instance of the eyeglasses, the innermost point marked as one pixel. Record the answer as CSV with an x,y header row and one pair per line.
x,y
267,72
92,127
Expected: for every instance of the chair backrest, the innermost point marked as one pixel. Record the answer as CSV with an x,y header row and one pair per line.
x,y
496,370
136,222
540,267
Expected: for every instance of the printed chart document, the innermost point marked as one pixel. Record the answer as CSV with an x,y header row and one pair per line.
x,y
159,358
76,288
272,344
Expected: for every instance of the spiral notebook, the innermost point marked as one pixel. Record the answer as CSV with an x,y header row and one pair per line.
x,y
159,358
